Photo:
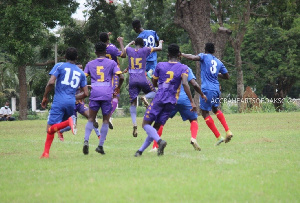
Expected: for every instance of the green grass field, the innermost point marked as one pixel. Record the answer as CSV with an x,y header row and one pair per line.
x,y
260,164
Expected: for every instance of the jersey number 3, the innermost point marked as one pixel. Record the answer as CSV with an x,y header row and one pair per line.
x,y
75,78
213,68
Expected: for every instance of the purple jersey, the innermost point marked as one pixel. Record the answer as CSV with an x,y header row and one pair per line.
x,y
112,52
169,80
137,61
101,71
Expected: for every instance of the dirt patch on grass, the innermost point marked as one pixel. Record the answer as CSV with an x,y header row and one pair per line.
x,y
262,140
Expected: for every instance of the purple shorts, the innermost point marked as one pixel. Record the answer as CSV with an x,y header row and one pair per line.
x,y
159,112
80,108
105,105
136,86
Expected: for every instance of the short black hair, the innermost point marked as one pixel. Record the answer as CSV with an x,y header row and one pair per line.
x,y
139,41
104,37
173,50
100,47
210,48
136,24
71,54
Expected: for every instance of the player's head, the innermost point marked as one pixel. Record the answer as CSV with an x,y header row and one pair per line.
x,y
79,65
100,48
209,48
71,54
104,37
174,51
139,42
136,25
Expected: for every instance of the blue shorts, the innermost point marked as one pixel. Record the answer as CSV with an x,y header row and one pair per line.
x,y
185,112
151,65
105,105
60,112
213,100
158,112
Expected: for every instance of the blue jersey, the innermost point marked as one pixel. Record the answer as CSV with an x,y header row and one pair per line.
x,y
150,38
68,78
210,68
183,98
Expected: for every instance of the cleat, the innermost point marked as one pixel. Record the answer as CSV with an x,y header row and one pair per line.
x,y
229,135
73,124
220,140
153,149
161,146
44,156
100,150
95,124
195,144
85,148
60,136
138,153
145,101
110,125
134,133
99,137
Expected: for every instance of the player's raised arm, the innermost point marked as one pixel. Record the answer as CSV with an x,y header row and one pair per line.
x,y
120,40
191,57
124,52
159,47
186,88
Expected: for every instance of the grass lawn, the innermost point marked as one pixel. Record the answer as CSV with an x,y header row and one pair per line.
x,y
260,164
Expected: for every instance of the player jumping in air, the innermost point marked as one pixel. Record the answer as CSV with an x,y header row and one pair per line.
x,y
67,77
81,108
137,78
112,52
151,39
183,106
168,77
211,69
101,71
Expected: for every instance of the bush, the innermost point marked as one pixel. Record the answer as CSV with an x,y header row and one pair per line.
x,y
289,105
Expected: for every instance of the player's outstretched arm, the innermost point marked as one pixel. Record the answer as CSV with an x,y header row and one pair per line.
x,y
187,90
159,47
191,57
49,87
223,76
120,40
84,92
196,87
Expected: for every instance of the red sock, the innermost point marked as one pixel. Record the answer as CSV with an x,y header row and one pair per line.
x,y
221,118
159,132
211,124
194,129
56,127
48,142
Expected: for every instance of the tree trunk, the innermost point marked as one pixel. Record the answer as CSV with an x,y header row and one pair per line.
x,y
194,17
23,92
239,76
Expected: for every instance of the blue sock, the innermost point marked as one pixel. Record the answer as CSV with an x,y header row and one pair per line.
x,y
133,114
97,131
103,132
146,143
150,95
88,129
65,129
151,132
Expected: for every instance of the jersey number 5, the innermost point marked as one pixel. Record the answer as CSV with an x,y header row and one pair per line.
x,y
75,78
101,74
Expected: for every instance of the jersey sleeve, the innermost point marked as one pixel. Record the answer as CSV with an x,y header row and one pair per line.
x,y
116,69
185,71
191,75
201,56
148,50
116,51
87,70
83,81
156,72
156,37
223,69
55,70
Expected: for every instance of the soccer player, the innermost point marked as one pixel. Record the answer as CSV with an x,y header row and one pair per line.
x,y
101,71
168,77
66,77
137,78
112,52
211,69
81,108
184,107
151,39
